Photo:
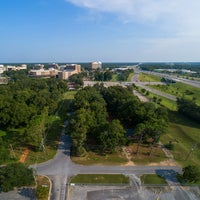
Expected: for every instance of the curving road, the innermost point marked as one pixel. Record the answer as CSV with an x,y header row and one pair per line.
x,y
61,168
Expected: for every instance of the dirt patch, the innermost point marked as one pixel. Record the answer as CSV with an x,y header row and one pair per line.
x,y
24,155
127,152
168,162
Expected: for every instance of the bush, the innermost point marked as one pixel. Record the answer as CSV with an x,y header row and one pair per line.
x,y
191,174
42,192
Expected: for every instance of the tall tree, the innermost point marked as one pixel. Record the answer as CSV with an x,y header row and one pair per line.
x,y
112,135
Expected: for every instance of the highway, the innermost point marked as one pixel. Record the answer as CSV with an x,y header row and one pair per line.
x,y
137,83
175,78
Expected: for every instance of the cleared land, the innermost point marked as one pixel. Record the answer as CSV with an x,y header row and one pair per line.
x,y
126,157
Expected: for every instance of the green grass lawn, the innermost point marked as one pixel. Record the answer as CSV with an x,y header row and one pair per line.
x,y
100,179
152,179
180,90
114,77
171,105
149,78
69,95
130,76
187,133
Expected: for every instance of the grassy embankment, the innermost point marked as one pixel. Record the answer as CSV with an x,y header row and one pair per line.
x,y
183,133
100,179
180,90
115,77
181,129
130,77
149,78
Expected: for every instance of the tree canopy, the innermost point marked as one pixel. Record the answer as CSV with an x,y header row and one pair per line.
x,y
102,114
15,175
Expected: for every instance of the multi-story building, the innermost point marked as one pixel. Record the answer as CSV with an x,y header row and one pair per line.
x,y
38,66
15,68
69,70
45,73
96,65
64,73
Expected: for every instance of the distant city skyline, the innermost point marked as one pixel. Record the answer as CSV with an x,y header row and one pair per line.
x,y
99,30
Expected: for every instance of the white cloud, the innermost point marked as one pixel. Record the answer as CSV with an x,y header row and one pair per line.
x,y
178,21
181,15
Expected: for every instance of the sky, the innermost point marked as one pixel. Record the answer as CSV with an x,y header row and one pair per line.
x,y
99,30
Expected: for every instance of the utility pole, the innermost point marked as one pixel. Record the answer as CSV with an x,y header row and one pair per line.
x,y
12,151
193,147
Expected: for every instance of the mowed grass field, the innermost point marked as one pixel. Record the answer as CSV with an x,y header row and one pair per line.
x,y
149,78
153,179
180,90
185,136
100,179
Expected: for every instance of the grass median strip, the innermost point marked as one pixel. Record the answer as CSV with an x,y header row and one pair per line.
x,y
152,179
100,179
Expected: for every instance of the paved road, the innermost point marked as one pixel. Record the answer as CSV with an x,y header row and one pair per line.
x,y
157,92
61,168
175,78
137,83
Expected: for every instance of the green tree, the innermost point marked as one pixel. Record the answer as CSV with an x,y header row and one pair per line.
x,y
112,135
191,174
35,132
15,175
42,192
78,128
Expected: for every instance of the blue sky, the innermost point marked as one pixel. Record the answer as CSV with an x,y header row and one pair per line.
x,y
103,30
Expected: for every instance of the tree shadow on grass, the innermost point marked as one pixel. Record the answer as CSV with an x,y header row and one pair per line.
x,y
175,117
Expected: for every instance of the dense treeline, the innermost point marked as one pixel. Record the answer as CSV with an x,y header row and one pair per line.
x,y
15,175
189,66
25,105
123,75
22,100
103,75
101,116
189,109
